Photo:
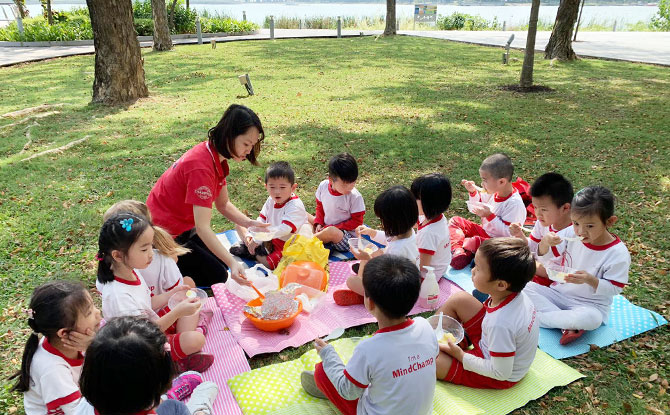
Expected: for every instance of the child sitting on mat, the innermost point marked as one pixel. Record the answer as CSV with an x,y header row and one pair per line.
x,y
552,195
283,209
503,330
339,205
433,196
397,210
583,302
501,205
393,372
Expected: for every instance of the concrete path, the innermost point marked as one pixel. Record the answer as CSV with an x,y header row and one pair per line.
x,y
647,47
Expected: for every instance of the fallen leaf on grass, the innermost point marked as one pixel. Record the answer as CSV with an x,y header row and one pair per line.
x,y
560,399
627,407
593,347
638,395
654,410
653,377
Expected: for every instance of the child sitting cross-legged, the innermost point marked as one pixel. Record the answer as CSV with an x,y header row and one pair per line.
x,y
602,262
393,372
339,205
397,210
124,249
283,209
552,195
499,205
503,330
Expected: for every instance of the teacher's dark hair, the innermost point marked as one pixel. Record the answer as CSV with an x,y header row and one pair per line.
x,y
235,121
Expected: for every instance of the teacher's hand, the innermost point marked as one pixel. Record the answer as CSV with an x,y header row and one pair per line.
x,y
256,224
237,274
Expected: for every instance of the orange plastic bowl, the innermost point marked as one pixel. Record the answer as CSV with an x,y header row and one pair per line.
x,y
306,273
271,325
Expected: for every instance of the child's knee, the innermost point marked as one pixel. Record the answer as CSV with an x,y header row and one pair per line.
x,y
192,341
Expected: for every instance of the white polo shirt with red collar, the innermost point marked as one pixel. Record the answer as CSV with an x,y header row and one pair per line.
x,y
505,211
345,212
289,216
54,382
432,238
556,254
196,179
510,329
126,298
162,274
393,372
609,263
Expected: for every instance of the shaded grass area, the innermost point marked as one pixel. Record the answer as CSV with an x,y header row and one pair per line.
x,y
403,106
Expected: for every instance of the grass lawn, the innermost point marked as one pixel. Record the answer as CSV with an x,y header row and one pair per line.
x,y
403,106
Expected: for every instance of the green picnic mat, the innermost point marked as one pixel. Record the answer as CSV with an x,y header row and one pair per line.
x,y
276,389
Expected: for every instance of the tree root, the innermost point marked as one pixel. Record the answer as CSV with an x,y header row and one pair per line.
x,y
30,139
28,111
28,118
57,150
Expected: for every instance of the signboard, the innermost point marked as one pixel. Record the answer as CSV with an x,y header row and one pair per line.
x,y
425,13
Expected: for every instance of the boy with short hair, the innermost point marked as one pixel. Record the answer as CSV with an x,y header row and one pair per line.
x,y
339,205
504,330
552,195
283,209
393,372
500,205
602,262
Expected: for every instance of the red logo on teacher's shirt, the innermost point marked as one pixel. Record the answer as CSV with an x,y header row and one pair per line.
x,y
204,192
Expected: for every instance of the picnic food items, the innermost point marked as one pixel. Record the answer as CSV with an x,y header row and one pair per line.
x,y
262,234
363,245
180,296
306,273
559,272
450,326
276,311
262,278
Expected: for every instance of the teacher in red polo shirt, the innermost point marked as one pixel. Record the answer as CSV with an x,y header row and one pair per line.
x,y
182,198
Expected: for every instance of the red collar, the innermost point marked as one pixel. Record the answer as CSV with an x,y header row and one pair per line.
x,y
122,281
603,247
501,305
435,219
499,199
397,327
281,205
333,191
72,362
221,168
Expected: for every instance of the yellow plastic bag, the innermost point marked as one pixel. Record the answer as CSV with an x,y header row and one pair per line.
x,y
302,248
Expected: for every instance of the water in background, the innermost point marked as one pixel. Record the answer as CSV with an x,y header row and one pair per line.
x,y
513,15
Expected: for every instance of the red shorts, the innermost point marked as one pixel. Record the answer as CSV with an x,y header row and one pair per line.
x,y
276,254
459,376
326,386
173,328
176,352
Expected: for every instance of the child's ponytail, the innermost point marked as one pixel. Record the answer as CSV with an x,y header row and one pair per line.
x,y
53,306
118,233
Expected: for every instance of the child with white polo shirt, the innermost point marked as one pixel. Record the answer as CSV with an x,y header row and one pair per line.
x,y
499,205
339,205
504,330
552,195
393,372
583,302
283,209
433,196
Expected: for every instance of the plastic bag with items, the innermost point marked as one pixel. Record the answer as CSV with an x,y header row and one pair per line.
x,y
302,248
260,276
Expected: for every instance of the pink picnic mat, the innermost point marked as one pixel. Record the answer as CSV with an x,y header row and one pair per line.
x,y
322,321
229,362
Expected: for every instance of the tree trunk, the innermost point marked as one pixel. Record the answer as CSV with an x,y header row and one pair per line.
x,y
21,6
171,14
50,15
390,18
560,42
162,40
528,59
119,71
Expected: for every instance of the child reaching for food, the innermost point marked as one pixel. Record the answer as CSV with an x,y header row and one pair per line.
x,y
397,210
125,248
64,314
601,262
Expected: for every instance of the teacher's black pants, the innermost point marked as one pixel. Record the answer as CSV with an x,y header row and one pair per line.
x,y
200,264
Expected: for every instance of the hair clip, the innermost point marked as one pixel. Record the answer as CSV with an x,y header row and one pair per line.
x,y
126,224
167,347
29,312
99,257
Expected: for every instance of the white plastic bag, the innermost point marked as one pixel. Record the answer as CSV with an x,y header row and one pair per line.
x,y
263,281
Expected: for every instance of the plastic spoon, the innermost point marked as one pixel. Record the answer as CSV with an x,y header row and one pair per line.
x,y
439,332
572,238
339,331
360,242
260,294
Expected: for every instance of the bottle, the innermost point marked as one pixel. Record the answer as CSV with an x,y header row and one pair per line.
x,y
430,291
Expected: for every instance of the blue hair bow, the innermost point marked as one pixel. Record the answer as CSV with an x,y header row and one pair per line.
x,y
126,224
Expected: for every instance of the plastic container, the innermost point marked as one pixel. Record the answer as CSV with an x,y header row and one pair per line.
x,y
559,272
449,325
305,273
368,247
262,234
180,296
473,204
264,281
430,291
271,325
